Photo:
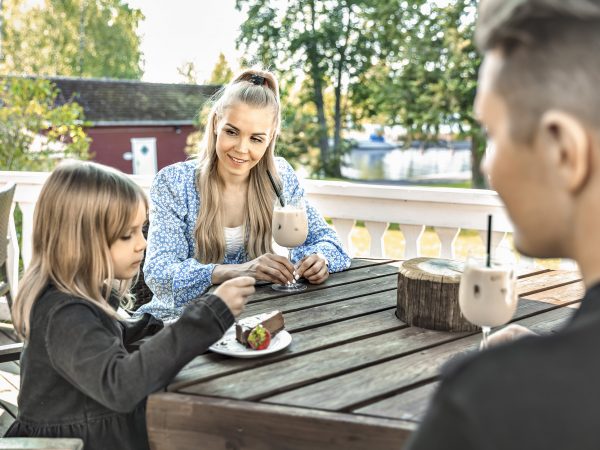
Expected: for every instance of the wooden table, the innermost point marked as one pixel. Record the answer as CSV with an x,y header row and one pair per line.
x,y
354,377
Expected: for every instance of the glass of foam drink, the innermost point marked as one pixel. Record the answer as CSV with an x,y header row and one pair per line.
x,y
290,229
487,294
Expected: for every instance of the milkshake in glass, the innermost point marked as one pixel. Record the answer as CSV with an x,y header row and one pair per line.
x,y
290,226
487,295
290,229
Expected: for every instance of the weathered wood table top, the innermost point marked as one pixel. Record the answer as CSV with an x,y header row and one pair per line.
x,y
354,377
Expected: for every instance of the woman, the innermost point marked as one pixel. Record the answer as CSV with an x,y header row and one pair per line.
x,y
210,218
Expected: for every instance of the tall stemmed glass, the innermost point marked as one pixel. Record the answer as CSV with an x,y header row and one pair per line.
x,y
487,294
290,229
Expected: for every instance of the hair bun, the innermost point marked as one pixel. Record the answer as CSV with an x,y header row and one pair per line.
x,y
257,79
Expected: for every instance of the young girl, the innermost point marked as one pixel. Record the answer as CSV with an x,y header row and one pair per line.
x,y
210,218
77,378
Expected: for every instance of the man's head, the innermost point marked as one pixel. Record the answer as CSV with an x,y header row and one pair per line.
x,y
539,97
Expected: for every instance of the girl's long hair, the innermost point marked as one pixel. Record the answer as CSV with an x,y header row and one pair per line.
x,y
258,89
82,210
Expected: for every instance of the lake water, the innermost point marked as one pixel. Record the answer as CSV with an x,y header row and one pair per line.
x,y
410,165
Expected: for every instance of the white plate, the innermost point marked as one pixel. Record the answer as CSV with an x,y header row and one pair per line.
x,y
227,345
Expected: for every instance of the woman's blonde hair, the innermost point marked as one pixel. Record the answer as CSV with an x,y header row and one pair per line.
x,y
258,89
82,210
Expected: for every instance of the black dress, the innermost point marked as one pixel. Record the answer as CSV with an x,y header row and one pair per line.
x,y
79,380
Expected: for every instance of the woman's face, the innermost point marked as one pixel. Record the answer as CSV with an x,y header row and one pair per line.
x,y
243,135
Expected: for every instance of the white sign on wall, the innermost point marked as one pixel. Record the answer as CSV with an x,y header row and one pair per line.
x,y
144,156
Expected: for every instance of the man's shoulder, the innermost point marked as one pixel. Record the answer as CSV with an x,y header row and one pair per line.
x,y
527,362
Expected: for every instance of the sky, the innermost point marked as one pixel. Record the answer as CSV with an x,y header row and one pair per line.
x,y
178,31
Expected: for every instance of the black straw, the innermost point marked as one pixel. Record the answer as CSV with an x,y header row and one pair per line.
x,y
276,189
489,242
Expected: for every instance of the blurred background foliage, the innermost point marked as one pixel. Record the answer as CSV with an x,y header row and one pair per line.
x,y
341,64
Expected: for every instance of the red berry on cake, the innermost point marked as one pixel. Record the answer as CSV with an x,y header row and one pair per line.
x,y
259,338
273,322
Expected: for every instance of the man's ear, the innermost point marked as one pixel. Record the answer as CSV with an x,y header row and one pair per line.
x,y
567,138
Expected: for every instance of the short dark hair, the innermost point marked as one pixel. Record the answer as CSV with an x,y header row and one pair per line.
x,y
551,54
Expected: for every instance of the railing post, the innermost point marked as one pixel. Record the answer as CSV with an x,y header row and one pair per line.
x,y
12,264
27,209
497,237
412,239
447,237
376,231
343,228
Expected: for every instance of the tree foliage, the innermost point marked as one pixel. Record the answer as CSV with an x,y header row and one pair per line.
x,y
398,62
222,73
425,79
188,73
327,41
85,38
35,133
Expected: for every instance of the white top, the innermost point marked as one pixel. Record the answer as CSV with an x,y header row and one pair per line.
x,y
234,240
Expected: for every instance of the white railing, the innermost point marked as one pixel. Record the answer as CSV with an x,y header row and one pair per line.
x,y
447,210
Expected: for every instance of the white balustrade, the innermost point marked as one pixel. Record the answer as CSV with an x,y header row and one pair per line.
x,y
447,210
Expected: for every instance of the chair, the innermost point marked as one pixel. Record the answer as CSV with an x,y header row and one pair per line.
x,y
8,352
6,198
140,289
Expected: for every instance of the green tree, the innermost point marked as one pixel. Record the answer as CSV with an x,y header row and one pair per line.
x,y
222,73
426,75
328,40
35,133
85,38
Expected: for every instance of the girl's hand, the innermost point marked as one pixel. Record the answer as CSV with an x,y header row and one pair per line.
x,y
314,268
271,267
235,292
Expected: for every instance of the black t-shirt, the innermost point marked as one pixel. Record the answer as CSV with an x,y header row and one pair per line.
x,y
538,393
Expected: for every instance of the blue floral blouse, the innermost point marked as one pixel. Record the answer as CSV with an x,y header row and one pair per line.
x,y
171,271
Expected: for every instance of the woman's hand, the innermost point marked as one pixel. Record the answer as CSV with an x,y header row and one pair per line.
x,y
270,267
235,292
314,268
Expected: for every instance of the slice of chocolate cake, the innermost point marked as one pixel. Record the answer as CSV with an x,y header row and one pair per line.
x,y
272,321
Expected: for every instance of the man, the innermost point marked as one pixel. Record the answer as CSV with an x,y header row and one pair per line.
x,y
539,98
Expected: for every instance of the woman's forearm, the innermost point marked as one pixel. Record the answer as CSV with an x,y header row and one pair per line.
x,y
224,272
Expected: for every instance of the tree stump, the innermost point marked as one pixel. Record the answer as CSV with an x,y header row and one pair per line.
x,y
428,295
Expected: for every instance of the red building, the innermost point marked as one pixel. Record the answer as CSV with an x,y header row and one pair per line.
x,y
136,127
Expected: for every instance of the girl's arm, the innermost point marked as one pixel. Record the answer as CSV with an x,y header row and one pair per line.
x,y
170,269
140,327
321,237
86,347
